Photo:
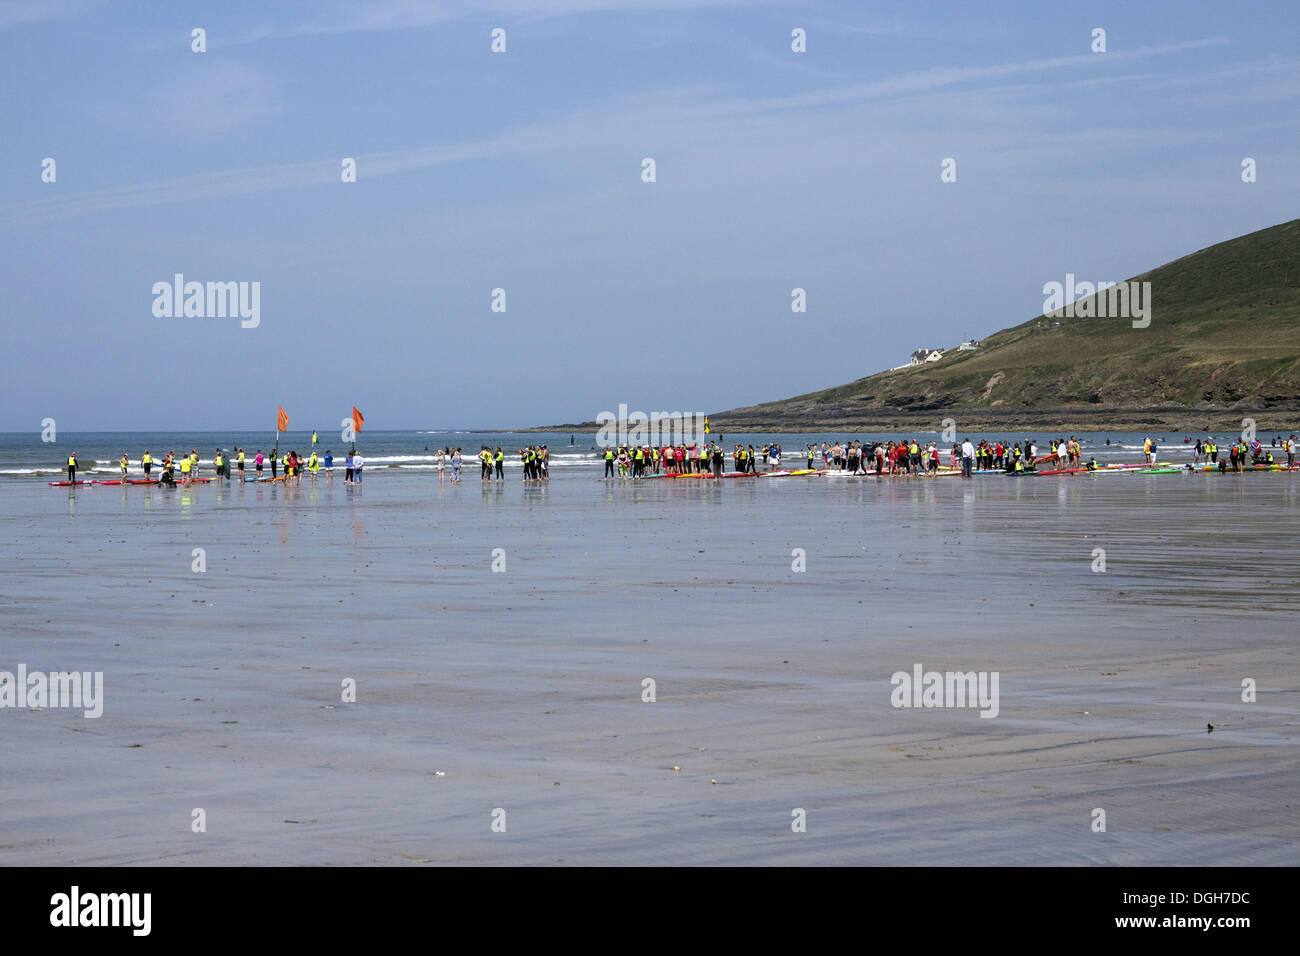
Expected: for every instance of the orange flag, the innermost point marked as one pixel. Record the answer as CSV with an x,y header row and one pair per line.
x,y
282,423
357,419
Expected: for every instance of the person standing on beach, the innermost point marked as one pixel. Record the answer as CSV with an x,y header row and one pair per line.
x,y
499,460
967,458
609,462
442,464
239,463
455,465
357,464
72,467
147,462
347,476
274,462
123,464
257,463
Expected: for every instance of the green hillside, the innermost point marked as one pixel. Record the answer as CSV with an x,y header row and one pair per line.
x,y
1223,342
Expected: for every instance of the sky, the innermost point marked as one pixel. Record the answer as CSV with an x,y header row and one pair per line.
x,y
522,170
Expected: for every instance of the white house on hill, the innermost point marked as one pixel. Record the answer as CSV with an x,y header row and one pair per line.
x,y
921,356
970,346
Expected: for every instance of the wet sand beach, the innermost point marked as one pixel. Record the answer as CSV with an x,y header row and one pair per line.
x,y
522,689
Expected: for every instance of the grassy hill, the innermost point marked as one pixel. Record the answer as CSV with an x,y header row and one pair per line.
x,y
1223,343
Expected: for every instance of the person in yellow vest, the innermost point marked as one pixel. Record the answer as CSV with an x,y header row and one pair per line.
x,y
239,463
219,461
609,462
72,467
186,464
147,461
499,459
313,464
122,464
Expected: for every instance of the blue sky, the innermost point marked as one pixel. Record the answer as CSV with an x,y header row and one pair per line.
x,y
522,171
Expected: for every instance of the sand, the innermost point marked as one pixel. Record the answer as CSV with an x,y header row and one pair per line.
x,y
521,689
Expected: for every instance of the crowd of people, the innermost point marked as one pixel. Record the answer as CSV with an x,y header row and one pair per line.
x,y
536,461
175,470
1241,452
644,461
894,458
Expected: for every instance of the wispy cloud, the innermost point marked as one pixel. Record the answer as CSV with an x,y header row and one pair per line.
x,y
238,182
17,12
687,114
221,97
377,16
924,81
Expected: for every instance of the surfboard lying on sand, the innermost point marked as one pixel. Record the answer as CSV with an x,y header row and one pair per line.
x,y
65,484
